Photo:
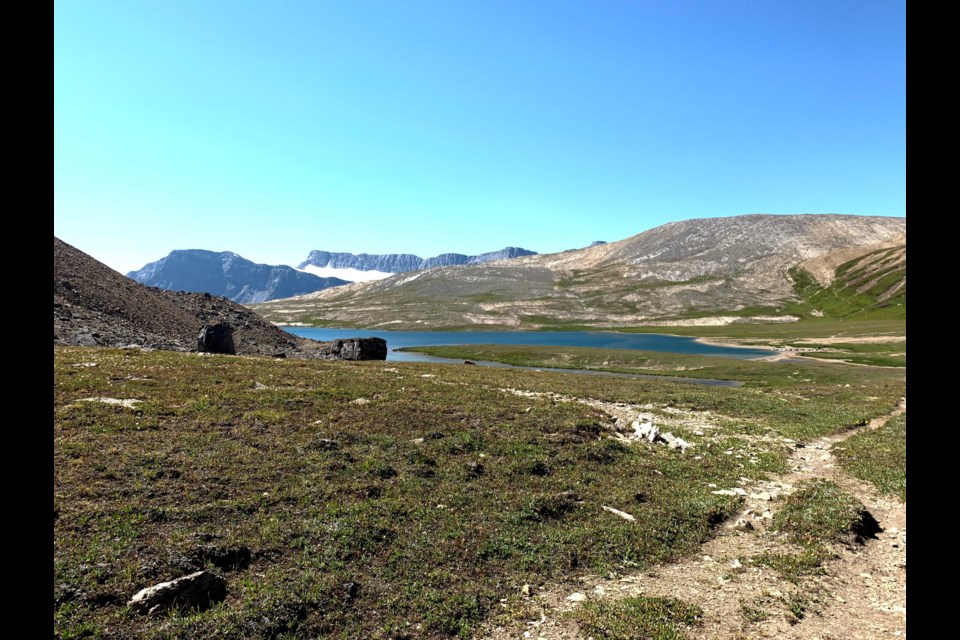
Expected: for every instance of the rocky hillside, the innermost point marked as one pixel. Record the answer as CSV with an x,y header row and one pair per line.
x,y
403,262
711,270
93,305
871,284
229,275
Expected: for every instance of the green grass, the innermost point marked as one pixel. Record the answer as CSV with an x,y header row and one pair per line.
x,y
817,516
638,618
863,288
819,512
354,526
886,354
878,456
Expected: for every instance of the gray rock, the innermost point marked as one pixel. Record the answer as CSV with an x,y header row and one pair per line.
x,y
85,340
355,349
216,338
197,591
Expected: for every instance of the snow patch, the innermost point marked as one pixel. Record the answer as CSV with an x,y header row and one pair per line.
x,y
346,273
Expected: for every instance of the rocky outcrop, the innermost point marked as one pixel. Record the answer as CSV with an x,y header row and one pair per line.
x,y
355,349
197,591
216,338
229,275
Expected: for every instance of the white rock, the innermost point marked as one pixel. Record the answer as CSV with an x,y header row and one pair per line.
x,y
577,597
622,514
127,403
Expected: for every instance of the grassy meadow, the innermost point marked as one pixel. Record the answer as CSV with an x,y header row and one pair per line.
x,y
400,500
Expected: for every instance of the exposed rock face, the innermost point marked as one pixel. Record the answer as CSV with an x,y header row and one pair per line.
x,y
229,275
93,305
197,591
403,262
216,338
355,349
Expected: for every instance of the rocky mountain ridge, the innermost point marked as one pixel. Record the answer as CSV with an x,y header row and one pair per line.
x,y
230,275
404,262
688,271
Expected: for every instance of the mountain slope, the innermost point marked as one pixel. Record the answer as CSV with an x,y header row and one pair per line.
x,y
734,267
94,305
871,285
227,274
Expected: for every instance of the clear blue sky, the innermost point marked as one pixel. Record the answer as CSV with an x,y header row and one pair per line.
x,y
274,128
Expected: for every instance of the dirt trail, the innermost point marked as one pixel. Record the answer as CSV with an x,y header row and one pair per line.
x,y
861,596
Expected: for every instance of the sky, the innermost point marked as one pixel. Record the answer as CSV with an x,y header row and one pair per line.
x,y
274,128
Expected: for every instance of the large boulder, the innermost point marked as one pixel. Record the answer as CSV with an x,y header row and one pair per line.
x,y
216,338
197,591
355,349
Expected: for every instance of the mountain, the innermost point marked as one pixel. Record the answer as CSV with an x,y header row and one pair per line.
x,y
704,271
227,274
364,266
93,305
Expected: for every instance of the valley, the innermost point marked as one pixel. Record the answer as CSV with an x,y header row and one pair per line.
x,y
416,500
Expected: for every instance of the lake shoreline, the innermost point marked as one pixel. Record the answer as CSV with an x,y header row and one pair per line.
x,y
654,342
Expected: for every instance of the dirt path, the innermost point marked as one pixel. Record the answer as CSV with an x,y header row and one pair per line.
x,y
861,596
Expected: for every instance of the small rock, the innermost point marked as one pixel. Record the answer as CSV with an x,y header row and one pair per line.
x,y
525,590
735,563
767,515
743,525
197,591
577,597
360,401
763,495
653,434
622,514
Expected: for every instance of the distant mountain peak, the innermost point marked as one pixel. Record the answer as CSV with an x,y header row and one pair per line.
x,y
229,274
391,263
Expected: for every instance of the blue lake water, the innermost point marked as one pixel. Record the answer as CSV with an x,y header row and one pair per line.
x,y
600,339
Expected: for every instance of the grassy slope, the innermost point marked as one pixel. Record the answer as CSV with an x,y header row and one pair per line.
x,y
879,456
354,528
